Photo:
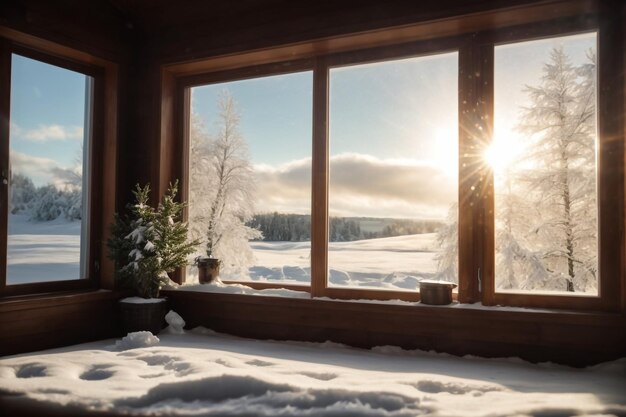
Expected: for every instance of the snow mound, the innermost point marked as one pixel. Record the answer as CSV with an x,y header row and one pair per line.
x,y
175,321
137,340
234,395
206,373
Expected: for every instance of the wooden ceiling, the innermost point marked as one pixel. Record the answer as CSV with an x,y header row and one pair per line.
x,y
151,15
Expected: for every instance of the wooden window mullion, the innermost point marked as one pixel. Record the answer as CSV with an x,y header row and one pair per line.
x,y
319,192
475,184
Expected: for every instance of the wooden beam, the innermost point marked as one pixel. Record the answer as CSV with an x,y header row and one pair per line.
x,y
319,192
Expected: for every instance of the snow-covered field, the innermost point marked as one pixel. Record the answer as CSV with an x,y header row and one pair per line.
x,y
389,263
42,251
204,373
50,251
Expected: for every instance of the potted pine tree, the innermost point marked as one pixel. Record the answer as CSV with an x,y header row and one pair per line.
x,y
147,244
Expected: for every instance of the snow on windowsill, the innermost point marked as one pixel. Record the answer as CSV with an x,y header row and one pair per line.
x,y
219,287
139,300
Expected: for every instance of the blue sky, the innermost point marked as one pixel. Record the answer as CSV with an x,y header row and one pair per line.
x,y
393,126
47,118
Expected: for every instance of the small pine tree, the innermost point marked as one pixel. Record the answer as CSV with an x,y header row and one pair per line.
x,y
148,243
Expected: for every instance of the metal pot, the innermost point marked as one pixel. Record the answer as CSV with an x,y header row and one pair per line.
x,y
436,292
208,269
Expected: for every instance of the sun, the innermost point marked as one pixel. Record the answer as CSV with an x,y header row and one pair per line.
x,y
502,153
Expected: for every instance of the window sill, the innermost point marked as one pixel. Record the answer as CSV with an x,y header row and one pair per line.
x,y
291,296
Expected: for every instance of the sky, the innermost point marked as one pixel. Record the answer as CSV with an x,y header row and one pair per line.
x,y
47,120
392,131
393,127
518,65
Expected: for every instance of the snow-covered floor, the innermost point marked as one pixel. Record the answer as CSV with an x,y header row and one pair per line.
x,y
204,373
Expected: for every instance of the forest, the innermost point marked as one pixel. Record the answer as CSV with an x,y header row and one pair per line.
x,y
277,227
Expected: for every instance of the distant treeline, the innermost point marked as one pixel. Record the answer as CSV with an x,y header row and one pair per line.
x,y
45,202
297,227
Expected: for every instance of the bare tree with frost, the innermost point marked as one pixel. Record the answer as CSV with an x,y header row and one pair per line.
x,y
222,189
560,123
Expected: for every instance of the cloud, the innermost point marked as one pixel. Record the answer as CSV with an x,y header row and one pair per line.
x,y
286,188
361,185
43,170
45,133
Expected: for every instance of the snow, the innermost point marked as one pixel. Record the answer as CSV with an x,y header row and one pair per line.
x,y
50,251
42,251
205,373
219,287
175,321
393,263
136,340
140,300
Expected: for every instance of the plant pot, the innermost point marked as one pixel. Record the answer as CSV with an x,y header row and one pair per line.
x,y
140,314
208,269
436,292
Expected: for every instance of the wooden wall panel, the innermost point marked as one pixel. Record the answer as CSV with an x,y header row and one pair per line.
x,y
28,325
94,26
571,338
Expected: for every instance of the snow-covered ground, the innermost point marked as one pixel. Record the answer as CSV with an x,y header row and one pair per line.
x,y
42,251
50,251
204,373
389,263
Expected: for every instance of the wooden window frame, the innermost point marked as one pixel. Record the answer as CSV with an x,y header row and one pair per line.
x,y
609,177
474,37
100,270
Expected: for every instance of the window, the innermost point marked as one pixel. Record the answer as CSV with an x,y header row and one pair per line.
x,y
438,158
553,240
393,173
544,159
49,167
250,177
58,126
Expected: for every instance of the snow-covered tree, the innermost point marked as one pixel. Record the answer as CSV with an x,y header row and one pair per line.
x,y
222,188
23,193
517,266
560,124
448,241
49,203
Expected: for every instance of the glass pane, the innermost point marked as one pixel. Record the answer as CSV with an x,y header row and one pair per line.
x,y
544,159
49,131
393,173
250,177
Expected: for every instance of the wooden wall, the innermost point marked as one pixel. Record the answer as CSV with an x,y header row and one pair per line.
x,y
42,322
52,320
568,338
